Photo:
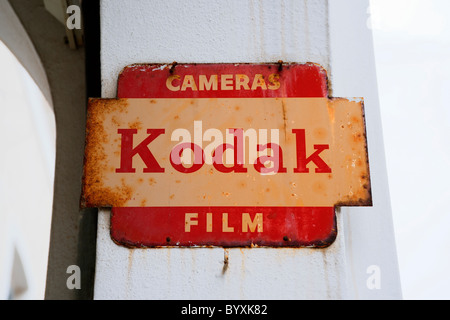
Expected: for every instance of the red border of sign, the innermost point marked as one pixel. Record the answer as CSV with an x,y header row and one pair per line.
x,y
286,226
149,81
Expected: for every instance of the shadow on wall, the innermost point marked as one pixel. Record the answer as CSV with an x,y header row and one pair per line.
x,y
27,141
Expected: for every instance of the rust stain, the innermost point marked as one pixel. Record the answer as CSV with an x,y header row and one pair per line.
x,y
283,105
226,260
345,155
331,112
172,68
320,133
135,125
130,264
352,123
280,65
357,137
107,197
116,121
354,201
355,120
319,187
94,192
365,176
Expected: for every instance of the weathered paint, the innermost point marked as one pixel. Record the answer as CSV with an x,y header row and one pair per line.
x,y
224,227
336,124
288,99
237,80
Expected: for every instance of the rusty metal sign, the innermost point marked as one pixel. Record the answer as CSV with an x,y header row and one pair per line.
x,y
225,155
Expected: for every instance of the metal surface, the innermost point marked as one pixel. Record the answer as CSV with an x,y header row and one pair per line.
x,y
225,155
224,226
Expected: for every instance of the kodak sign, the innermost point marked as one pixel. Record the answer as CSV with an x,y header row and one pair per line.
x,y
225,155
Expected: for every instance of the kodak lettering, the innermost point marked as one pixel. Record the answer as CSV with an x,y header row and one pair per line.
x,y
268,161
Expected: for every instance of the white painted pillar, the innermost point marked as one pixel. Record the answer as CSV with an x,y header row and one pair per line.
x,y
331,33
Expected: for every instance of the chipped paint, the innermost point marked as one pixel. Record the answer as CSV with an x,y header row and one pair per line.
x,y
95,193
344,137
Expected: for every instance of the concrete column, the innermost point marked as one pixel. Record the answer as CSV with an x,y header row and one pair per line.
x,y
138,31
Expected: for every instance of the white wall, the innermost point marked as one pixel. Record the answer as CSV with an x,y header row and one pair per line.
x,y
255,31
